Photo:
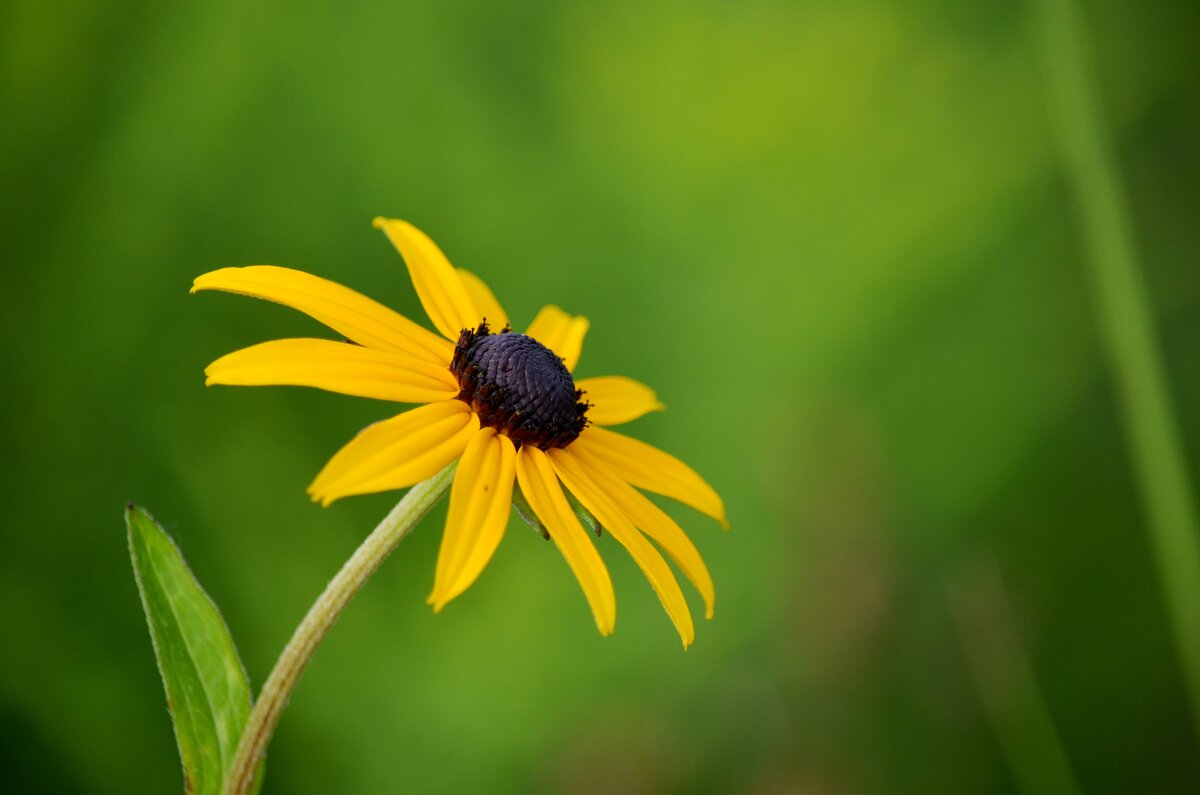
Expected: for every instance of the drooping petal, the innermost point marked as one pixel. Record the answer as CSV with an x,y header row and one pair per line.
x,y
575,476
480,500
560,332
397,453
616,399
438,285
654,522
345,311
540,486
338,367
485,300
649,468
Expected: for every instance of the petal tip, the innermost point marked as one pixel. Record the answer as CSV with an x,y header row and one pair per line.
x,y
319,496
607,625
718,514
205,280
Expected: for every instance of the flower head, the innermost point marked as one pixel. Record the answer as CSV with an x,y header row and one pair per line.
x,y
505,405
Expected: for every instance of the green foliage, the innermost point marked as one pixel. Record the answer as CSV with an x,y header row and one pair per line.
x,y
208,693
833,236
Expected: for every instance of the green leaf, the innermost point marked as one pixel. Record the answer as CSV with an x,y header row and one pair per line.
x,y
525,511
208,693
585,516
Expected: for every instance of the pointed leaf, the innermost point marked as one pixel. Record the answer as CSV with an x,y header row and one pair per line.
x,y
525,511
208,693
585,516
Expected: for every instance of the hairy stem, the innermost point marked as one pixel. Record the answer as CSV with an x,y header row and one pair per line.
x,y
320,618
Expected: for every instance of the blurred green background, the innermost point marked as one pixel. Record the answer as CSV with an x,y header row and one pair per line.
x,y
835,236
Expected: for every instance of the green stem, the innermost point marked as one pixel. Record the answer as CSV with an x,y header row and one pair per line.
x,y
320,618
1127,326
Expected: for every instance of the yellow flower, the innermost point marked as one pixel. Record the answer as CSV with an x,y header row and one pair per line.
x,y
505,405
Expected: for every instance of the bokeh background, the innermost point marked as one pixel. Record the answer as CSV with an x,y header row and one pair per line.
x,y
835,236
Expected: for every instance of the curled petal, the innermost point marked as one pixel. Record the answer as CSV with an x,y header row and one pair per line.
x,y
616,399
614,519
397,453
560,332
480,500
540,486
438,285
347,312
485,300
654,522
649,468
338,367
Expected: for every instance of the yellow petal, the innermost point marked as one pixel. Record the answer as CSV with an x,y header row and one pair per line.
x,y
480,501
654,522
397,453
540,487
349,313
560,332
438,285
617,523
485,300
616,399
649,468
338,367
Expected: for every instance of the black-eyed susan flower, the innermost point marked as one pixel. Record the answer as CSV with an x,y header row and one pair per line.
x,y
504,405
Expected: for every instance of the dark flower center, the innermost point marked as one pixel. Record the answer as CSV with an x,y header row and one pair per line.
x,y
519,387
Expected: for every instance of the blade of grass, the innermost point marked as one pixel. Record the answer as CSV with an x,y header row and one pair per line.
x,y
1000,667
1126,321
